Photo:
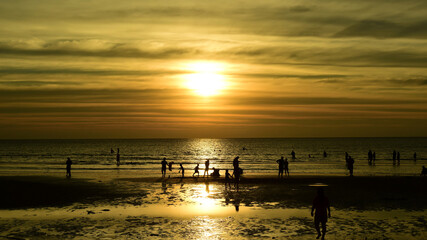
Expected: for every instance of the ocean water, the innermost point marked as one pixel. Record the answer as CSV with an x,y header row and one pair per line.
x,y
257,156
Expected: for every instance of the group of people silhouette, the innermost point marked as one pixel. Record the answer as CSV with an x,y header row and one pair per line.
x,y
237,171
283,165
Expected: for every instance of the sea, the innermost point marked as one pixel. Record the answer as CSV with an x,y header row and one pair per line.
x,y
256,155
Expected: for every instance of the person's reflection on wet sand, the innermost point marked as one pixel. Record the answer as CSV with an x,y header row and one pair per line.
x,y
164,187
237,204
207,186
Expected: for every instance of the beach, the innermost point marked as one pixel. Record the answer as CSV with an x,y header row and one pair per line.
x,y
263,206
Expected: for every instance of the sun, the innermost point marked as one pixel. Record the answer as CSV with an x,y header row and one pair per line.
x,y
206,78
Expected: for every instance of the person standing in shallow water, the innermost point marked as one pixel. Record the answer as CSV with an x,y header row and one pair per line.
x,y
196,170
281,163
118,157
350,164
164,165
206,172
181,170
321,211
286,166
68,163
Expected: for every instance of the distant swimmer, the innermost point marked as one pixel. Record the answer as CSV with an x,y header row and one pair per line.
x,y
293,154
164,164
206,172
196,170
181,170
286,166
321,211
281,163
68,163
244,149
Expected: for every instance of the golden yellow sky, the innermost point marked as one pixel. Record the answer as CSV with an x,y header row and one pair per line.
x,y
149,69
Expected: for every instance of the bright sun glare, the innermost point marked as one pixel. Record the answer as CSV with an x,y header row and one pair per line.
x,y
207,78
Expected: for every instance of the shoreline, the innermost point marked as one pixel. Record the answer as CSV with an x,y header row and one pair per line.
x,y
364,192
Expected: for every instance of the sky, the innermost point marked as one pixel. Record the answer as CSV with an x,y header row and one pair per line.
x,y
213,69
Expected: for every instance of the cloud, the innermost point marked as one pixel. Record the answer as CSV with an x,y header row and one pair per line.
x,y
384,29
79,48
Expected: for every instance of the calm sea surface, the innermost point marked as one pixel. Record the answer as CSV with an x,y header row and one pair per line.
x,y
257,156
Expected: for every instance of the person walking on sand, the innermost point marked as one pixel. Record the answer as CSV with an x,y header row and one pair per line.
x,y
281,163
206,172
68,163
286,166
164,164
181,170
196,170
321,211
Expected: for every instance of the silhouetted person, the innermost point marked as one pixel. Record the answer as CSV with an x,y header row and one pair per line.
x,y
181,170
215,172
236,162
228,178
370,156
286,166
350,164
170,165
206,172
322,211
415,156
111,151
394,155
164,165
118,157
424,171
68,163
398,158
325,154
236,170
196,170
281,163
293,154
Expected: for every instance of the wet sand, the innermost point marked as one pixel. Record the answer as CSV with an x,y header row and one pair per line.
x,y
40,207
